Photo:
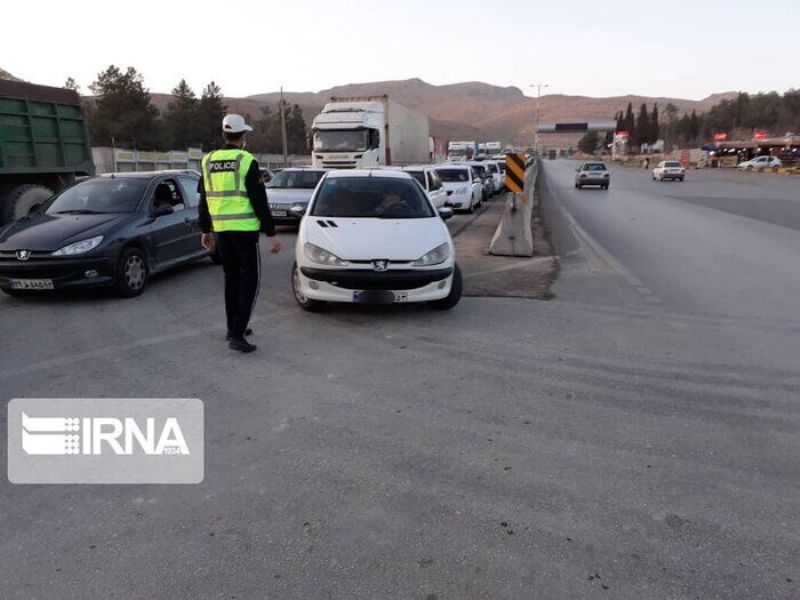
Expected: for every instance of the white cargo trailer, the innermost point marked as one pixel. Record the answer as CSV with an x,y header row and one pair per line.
x,y
370,131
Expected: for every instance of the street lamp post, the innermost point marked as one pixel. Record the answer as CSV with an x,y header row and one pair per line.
x,y
538,87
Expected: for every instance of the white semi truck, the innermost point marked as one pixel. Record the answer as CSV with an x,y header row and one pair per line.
x,y
461,151
366,132
489,149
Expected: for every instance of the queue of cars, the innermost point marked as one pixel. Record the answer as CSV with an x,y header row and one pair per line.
x,y
378,235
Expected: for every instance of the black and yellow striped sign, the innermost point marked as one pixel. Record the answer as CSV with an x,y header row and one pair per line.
x,y
515,171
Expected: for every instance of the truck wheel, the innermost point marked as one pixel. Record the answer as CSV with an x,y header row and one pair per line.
x,y
18,201
131,276
306,304
453,297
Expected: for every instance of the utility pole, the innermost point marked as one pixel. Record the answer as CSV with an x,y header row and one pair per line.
x,y
283,131
538,87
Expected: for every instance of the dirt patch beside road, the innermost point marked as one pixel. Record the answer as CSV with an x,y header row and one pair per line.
x,y
506,276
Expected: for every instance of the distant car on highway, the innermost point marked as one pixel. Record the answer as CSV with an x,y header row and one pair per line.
x,y
499,176
109,231
761,162
592,173
669,169
291,188
463,186
429,180
374,237
482,171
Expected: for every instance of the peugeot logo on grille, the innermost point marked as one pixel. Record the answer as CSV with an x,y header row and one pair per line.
x,y
23,254
380,265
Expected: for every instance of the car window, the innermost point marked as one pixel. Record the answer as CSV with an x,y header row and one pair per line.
x,y
168,192
672,164
190,193
429,178
419,176
594,167
371,197
303,180
492,167
100,195
453,175
437,182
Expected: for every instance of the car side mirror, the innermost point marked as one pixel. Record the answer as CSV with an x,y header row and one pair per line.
x,y
445,213
162,210
476,180
298,212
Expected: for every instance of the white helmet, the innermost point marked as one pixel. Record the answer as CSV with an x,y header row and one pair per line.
x,y
235,124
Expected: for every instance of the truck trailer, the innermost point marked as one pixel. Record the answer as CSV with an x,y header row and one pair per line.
x,y
44,145
367,132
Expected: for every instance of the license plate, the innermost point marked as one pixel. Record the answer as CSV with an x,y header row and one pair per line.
x,y
31,284
278,213
379,297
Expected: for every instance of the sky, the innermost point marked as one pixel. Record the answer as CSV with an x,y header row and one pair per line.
x,y
678,48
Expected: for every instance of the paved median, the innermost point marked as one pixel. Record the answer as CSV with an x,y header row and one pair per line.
x,y
502,276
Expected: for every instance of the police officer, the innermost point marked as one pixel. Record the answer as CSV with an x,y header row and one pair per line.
x,y
233,204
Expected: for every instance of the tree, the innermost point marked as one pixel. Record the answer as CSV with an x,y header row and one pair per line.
x,y
71,84
642,126
123,114
630,125
296,131
588,143
655,128
210,112
180,118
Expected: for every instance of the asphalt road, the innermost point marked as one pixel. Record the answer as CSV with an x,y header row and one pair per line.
x,y
597,445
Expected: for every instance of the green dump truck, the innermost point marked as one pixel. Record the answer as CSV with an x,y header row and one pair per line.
x,y
44,145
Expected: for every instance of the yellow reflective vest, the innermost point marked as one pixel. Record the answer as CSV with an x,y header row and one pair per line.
x,y
224,173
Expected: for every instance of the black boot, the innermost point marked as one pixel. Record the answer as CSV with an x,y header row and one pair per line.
x,y
241,346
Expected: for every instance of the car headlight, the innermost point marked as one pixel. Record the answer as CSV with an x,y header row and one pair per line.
x,y
322,256
81,247
436,256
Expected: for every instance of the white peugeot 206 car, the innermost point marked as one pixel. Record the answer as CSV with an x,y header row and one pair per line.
x,y
374,237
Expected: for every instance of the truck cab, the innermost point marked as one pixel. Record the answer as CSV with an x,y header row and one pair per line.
x,y
350,135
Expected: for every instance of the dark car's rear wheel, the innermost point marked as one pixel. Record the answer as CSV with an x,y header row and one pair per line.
x,y
131,277
305,303
453,297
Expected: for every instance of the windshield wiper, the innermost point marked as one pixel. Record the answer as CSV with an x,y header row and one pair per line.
x,y
78,211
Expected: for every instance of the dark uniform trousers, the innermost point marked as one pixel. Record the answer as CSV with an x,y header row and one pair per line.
x,y
241,261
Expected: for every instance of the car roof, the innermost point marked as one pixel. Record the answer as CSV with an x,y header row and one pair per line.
x,y
384,173
303,169
452,165
151,174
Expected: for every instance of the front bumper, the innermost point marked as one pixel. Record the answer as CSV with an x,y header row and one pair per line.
x,y
65,273
458,200
358,285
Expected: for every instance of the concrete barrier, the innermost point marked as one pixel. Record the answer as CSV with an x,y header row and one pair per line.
x,y
514,234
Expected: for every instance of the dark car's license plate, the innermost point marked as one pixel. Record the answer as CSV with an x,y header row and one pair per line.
x,y
31,284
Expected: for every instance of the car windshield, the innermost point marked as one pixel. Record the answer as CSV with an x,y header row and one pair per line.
x,y
672,164
340,140
303,180
457,151
371,197
419,176
453,175
594,167
480,170
492,167
101,195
